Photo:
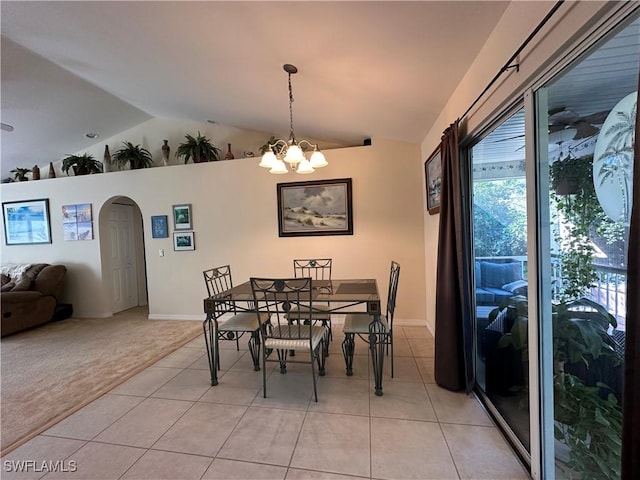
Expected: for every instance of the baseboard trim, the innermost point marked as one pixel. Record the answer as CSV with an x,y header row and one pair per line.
x,y
160,316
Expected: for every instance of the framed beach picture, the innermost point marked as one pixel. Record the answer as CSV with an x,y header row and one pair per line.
x,y
182,217
184,241
320,207
26,222
433,177
159,226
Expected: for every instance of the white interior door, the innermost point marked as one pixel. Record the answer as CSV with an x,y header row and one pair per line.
x,y
124,281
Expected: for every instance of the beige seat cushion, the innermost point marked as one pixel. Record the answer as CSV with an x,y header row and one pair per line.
x,y
242,322
319,312
360,323
295,337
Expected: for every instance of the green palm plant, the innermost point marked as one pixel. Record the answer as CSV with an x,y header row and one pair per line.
x,y
134,155
84,164
198,148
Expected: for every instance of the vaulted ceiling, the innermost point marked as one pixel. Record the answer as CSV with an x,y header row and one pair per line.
x,y
366,69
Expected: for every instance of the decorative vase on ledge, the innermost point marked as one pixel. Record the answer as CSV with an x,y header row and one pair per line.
x,y
229,155
166,149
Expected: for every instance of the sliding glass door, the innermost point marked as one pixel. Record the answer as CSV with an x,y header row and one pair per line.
x,y
551,196
585,155
499,220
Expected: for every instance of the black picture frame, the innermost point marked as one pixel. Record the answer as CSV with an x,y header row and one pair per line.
x,y
433,180
318,207
159,226
26,222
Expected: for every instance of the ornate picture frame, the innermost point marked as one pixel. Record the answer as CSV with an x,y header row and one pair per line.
x,y
433,180
320,207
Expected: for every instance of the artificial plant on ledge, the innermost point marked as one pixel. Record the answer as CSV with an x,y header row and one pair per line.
x,y
197,148
133,155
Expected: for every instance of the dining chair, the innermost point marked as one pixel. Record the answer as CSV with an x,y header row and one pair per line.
x,y
275,298
317,269
358,324
238,320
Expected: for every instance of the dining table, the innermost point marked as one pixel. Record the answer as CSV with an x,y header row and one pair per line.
x,y
353,296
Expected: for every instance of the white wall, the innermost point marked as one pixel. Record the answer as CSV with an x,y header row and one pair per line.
x,y
235,222
567,26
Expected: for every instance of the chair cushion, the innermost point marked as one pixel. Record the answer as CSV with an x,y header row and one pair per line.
x,y
294,337
242,322
354,323
319,312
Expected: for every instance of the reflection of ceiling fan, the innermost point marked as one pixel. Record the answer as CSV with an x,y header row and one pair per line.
x,y
561,118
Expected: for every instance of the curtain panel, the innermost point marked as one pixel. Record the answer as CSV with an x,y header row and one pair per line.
x,y
454,334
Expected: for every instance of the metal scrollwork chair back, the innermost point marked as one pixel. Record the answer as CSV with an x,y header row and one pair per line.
x,y
317,269
275,299
355,324
232,320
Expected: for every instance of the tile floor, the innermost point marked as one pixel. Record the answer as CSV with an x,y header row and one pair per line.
x,y
169,423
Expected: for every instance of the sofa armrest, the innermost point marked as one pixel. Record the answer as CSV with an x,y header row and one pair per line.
x,y
20,297
50,280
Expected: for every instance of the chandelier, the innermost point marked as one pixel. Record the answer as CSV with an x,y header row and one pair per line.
x,y
281,152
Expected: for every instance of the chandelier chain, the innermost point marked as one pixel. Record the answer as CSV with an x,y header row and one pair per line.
x,y
291,132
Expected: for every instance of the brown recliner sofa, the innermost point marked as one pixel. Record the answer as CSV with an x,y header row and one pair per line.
x,y
30,300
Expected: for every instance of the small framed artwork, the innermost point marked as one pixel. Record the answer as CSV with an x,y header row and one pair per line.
x,y
159,226
26,222
77,221
184,241
320,207
182,217
433,177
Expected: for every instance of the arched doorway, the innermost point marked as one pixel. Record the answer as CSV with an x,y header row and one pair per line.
x,y
122,252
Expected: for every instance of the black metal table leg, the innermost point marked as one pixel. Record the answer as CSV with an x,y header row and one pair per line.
x,y
210,327
348,348
254,349
377,332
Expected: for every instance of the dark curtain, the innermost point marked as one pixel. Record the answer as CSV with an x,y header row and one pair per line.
x,y
631,399
454,335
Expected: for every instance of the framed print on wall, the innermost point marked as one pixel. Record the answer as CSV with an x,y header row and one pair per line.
x,y
77,221
320,207
159,226
182,217
26,222
184,241
433,177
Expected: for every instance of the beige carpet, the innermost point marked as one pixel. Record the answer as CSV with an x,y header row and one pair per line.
x,y
51,371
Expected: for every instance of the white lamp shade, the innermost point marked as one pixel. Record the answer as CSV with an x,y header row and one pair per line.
x,y
279,167
294,154
318,160
268,160
304,167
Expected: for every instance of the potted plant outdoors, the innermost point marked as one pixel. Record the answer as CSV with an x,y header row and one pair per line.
x,y
582,215
20,174
588,418
133,155
198,148
84,164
